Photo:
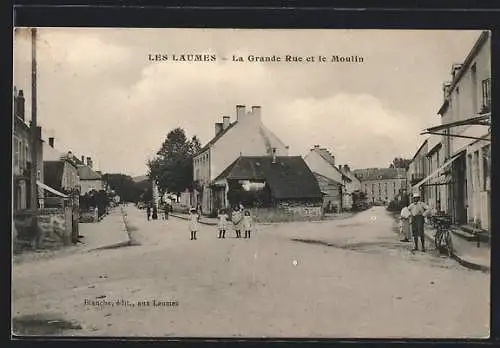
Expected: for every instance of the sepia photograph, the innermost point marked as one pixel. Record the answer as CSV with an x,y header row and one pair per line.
x,y
251,183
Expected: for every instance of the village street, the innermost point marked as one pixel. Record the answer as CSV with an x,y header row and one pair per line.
x,y
341,278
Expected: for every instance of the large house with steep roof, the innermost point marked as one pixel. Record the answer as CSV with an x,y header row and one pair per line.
x,y
283,184
246,136
322,163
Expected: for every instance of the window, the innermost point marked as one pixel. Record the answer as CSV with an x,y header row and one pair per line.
x,y
373,188
486,90
16,152
486,167
386,189
474,91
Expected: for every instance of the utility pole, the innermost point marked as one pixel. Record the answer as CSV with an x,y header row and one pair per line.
x,y
34,136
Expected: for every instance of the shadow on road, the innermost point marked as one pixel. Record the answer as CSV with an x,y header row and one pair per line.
x,y
117,245
39,325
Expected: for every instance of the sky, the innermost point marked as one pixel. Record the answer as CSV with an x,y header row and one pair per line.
x,y
100,96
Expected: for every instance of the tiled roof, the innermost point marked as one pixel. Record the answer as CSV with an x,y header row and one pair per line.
x,y
326,155
326,180
330,159
373,174
53,173
86,173
288,178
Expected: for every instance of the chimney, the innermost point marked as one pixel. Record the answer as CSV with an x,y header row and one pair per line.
x,y
256,112
274,155
316,147
51,142
89,162
446,87
454,69
19,105
240,112
83,159
225,122
346,168
218,128
340,166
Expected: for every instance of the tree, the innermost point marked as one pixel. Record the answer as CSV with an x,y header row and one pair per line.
x,y
172,166
123,185
400,162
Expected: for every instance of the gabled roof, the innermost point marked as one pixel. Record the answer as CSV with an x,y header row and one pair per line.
x,y
53,173
217,137
328,157
86,173
288,178
326,180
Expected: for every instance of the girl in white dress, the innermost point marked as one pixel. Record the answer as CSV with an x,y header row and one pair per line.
x,y
193,222
222,223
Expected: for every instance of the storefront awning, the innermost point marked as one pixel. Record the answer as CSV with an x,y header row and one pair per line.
x,y
436,172
483,120
50,189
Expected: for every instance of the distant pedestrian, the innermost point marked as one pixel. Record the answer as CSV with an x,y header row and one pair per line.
x,y
237,219
166,210
247,224
222,223
148,212
418,211
405,224
194,217
155,213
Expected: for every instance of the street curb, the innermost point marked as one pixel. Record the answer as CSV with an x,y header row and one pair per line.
x,y
460,259
201,222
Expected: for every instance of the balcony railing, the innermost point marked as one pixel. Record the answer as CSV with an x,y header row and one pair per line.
x,y
416,177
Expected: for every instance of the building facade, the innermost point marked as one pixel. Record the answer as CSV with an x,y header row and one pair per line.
x,y
382,185
418,169
21,153
465,132
247,136
60,171
322,162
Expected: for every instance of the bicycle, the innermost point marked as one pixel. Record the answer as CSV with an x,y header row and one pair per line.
x,y
443,239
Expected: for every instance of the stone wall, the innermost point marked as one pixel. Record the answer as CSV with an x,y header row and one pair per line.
x,y
289,211
53,230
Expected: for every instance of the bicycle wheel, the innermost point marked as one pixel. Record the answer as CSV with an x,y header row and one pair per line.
x,y
449,243
437,239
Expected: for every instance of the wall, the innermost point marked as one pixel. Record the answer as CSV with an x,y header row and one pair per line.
x,y
374,194
89,185
54,227
288,211
466,101
70,177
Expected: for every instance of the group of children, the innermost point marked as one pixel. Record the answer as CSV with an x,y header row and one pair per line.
x,y
240,219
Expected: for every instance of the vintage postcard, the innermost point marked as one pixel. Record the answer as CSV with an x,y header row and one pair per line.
x,y
251,183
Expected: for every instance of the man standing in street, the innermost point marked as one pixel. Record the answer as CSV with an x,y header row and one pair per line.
x,y
418,210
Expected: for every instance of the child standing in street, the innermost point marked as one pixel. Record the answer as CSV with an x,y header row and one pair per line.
x,y
222,223
247,224
193,222
237,218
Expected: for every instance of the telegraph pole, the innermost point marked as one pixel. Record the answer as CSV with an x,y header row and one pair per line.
x,y
34,135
